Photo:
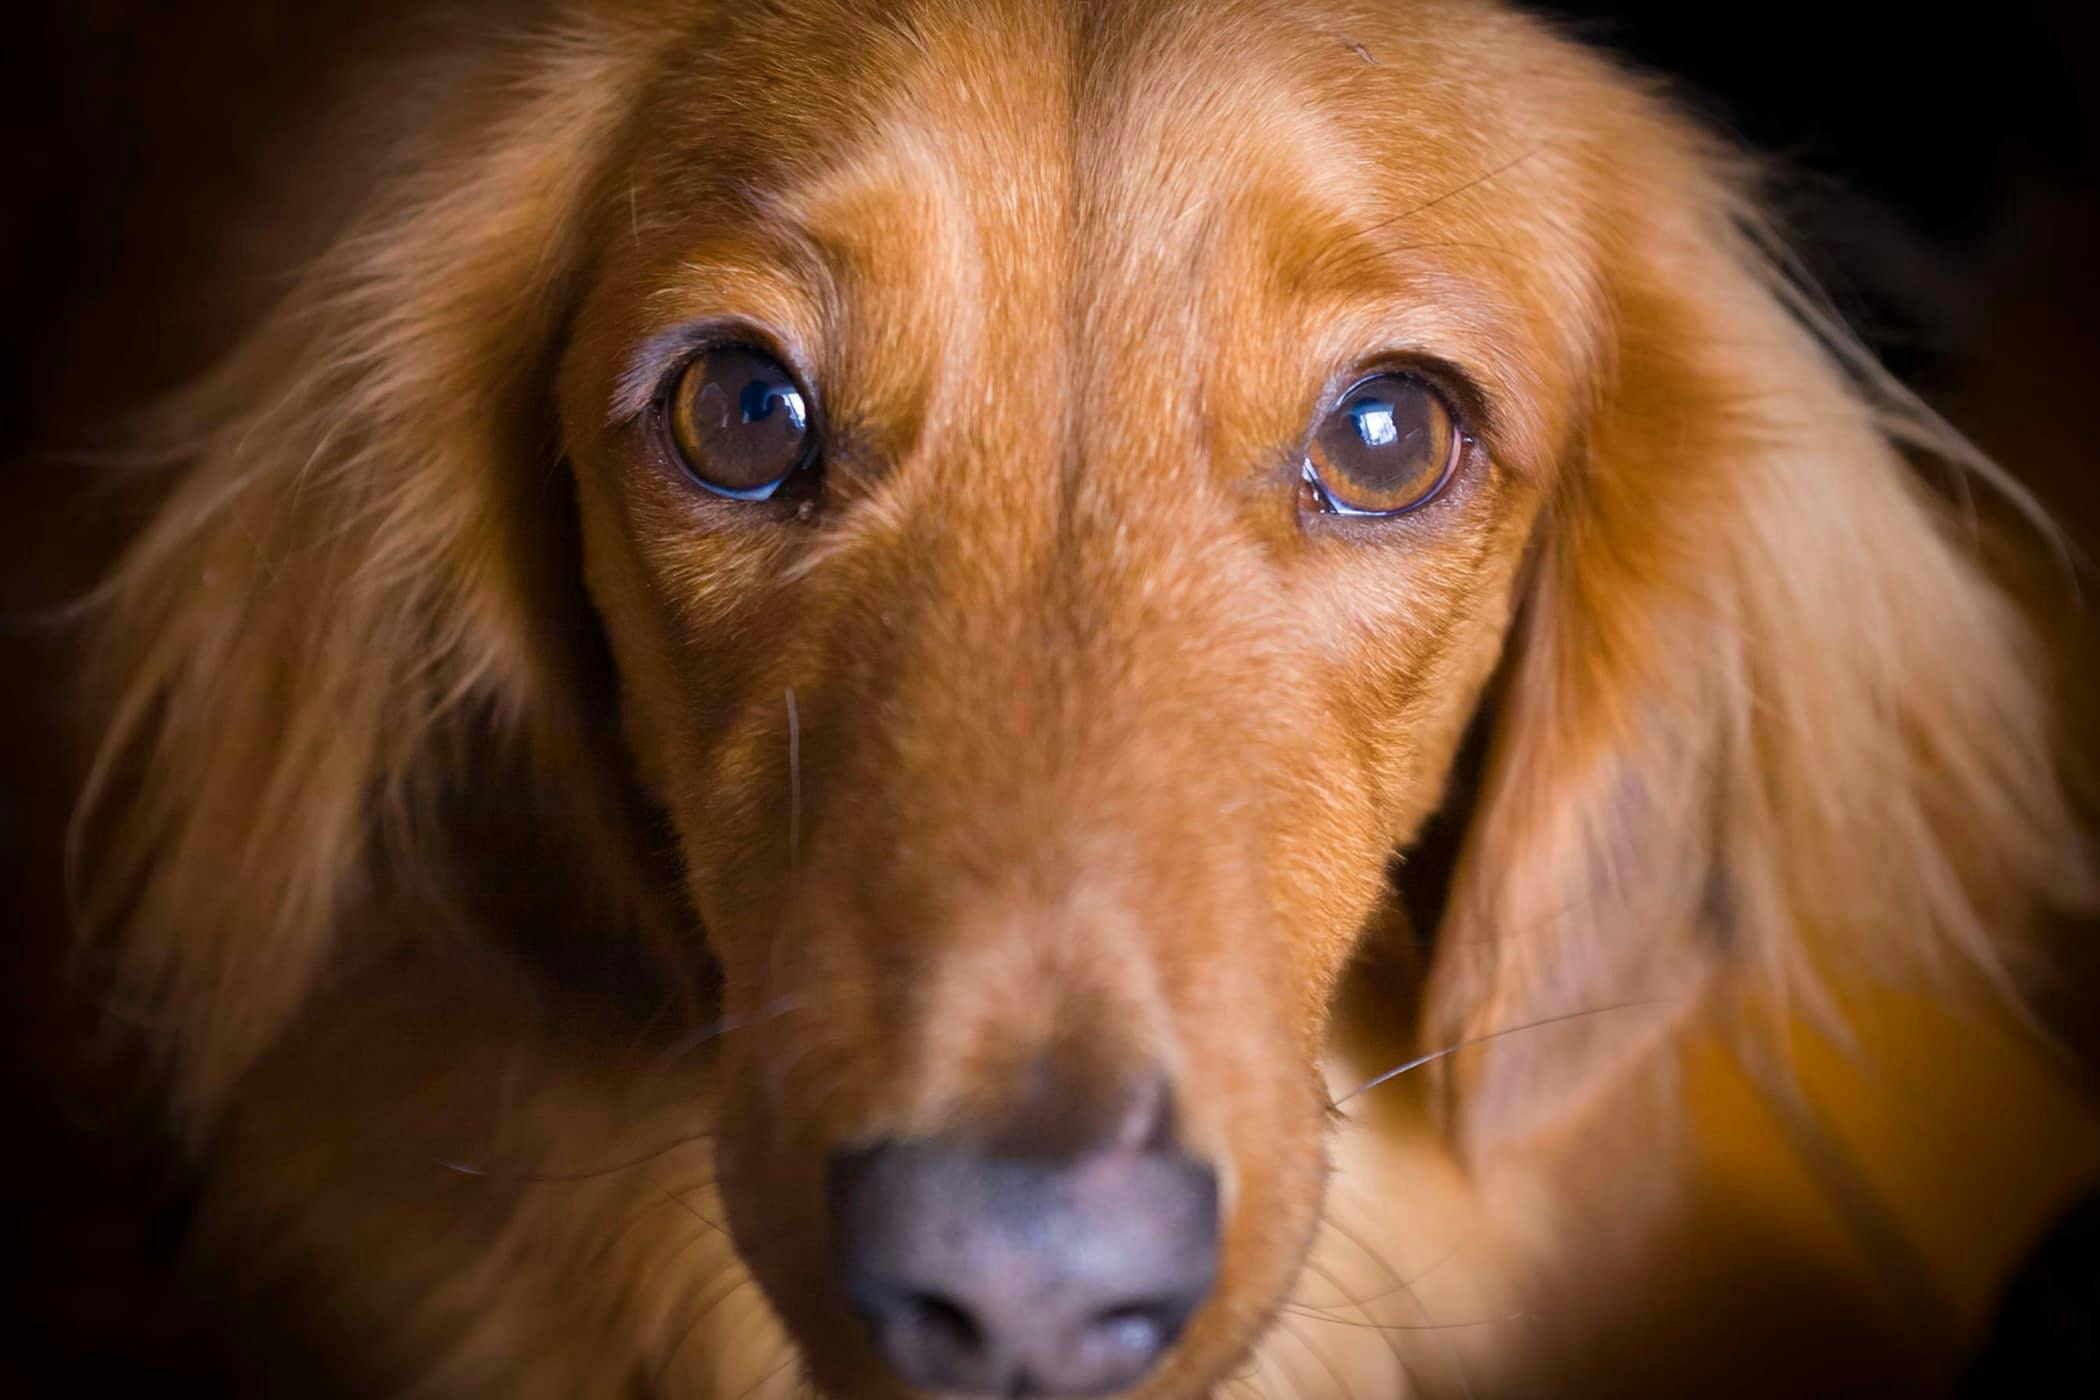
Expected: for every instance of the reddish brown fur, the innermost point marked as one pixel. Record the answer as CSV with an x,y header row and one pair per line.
x,y
1101,749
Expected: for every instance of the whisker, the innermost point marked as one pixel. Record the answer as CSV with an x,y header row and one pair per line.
x,y
794,782
1471,1041
1405,1285
772,1010
628,1226
690,1209
1432,1325
1484,178
778,1007
1341,1386
762,1381
685,1334
1320,1315
1246,1374
1324,258
560,1178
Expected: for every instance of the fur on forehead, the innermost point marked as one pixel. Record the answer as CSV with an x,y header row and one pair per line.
x,y
1079,201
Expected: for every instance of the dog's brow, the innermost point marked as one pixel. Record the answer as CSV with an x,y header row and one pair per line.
x,y
796,261
703,306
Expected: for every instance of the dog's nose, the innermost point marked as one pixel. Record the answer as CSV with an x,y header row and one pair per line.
x,y
1022,1276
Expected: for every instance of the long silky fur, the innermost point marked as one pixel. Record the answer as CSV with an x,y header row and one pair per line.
x,y
345,593
1770,721
1766,717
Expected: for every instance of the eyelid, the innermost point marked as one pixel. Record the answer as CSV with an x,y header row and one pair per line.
x,y
1470,406
650,371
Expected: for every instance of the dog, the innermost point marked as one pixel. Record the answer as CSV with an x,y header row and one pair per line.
x,y
1165,698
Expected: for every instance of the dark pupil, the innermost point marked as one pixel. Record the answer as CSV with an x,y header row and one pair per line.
x,y
1384,437
743,420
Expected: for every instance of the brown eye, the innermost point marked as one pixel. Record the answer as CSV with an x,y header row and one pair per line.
x,y
1385,448
739,422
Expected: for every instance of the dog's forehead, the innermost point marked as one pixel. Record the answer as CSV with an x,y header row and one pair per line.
x,y
1135,204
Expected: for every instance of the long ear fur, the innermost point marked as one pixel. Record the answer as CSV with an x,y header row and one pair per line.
x,y
348,583
1767,720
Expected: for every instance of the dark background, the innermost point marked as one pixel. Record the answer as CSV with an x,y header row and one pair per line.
x,y
1939,174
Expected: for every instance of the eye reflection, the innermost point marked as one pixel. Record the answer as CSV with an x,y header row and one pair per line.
x,y
1374,422
760,397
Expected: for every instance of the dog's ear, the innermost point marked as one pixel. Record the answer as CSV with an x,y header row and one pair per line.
x,y
348,581
1766,719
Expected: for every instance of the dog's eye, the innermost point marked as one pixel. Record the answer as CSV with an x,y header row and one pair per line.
x,y
1386,447
739,422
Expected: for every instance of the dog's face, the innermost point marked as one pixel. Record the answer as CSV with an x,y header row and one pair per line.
x,y
1055,499
1056,480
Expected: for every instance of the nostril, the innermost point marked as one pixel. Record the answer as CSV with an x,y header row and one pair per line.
x,y
1000,1275
931,1339
944,1324
890,1305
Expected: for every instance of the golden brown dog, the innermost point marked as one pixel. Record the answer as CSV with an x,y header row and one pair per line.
x,y
759,743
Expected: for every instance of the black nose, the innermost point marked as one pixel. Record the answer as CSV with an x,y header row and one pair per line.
x,y
1013,1276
